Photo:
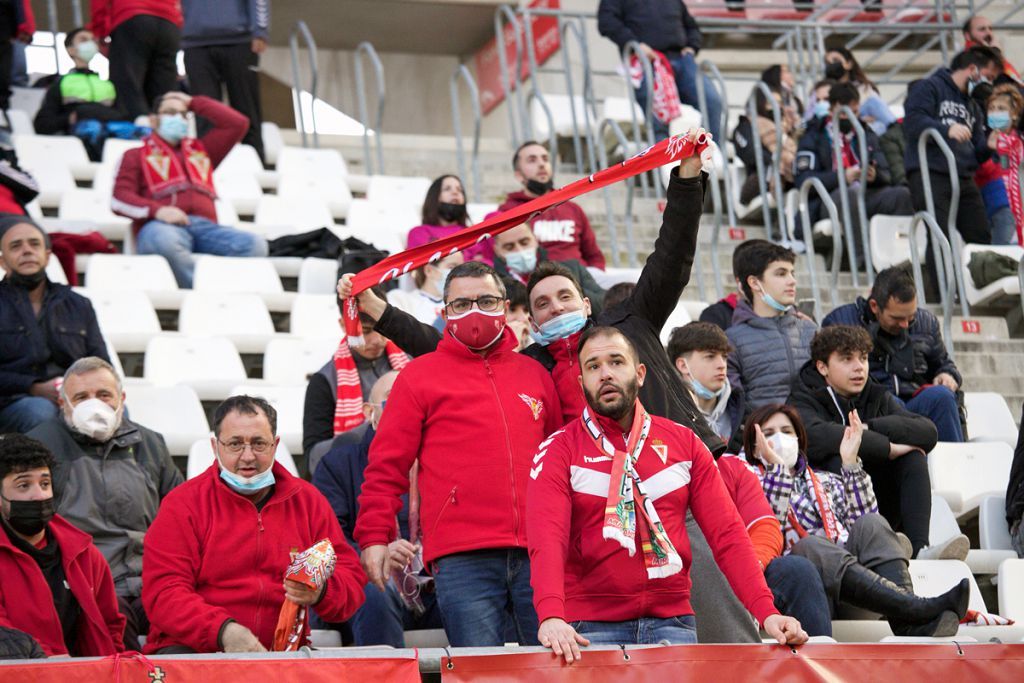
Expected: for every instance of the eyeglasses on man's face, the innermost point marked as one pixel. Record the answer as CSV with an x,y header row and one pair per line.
x,y
237,446
486,303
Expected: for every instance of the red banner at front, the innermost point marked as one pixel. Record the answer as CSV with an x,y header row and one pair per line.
x,y
126,669
816,662
546,41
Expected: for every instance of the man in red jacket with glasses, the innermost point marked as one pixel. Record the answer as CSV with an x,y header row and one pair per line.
x,y
606,519
471,414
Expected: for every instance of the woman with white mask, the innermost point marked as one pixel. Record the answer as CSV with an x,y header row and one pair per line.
x,y
833,521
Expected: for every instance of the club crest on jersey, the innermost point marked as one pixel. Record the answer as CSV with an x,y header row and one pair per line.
x,y
536,407
201,163
660,449
161,163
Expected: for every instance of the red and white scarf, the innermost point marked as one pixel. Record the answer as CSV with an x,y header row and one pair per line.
x,y
348,409
668,151
163,172
626,496
665,105
829,524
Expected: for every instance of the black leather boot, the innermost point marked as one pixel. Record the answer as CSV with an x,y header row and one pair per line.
x,y
908,614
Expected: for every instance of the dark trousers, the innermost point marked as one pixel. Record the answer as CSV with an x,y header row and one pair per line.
x,y
8,31
143,62
214,68
971,219
903,489
137,624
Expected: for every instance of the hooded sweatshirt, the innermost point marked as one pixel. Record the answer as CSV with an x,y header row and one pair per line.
x,y
937,102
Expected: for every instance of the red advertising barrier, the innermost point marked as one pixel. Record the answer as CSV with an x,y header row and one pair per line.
x,y
127,669
726,663
546,41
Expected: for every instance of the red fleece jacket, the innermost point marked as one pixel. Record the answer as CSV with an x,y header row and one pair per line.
x,y
210,556
474,423
109,14
577,575
26,603
132,197
564,231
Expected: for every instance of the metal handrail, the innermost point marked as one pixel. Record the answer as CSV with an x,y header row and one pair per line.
x,y
633,48
955,240
716,192
940,246
518,121
776,159
630,186
1020,281
844,198
293,43
366,48
462,73
837,243
575,28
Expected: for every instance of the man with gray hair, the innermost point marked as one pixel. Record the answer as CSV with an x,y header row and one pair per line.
x,y
110,477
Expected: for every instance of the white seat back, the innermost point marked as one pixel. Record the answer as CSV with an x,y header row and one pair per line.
x,y
989,418
234,274
175,412
1011,589
290,360
935,577
318,276
993,531
316,315
965,473
174,360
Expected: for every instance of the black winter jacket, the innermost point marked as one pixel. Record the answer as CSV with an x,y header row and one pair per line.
x,y
665,25
1015,489
824,415
35,350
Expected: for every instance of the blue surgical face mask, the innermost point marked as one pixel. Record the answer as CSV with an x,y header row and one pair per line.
x,y
559,327
821,109
999,120
247,485
770,300
523,261
173,128
702,391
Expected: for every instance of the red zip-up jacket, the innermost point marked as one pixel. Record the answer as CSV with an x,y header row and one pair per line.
x,y
109,14
210,556
132,197
577,575
564,231
474,423
26,603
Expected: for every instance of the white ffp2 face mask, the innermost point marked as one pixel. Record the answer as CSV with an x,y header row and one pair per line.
x,y
786,446
95,419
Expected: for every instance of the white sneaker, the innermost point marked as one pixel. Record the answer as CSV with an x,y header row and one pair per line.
x,y
954,549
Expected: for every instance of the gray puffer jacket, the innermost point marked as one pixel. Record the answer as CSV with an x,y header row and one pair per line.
x,y
111,490
767,354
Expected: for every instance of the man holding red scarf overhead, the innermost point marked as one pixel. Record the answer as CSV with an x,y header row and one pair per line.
x,y
166,186
606,518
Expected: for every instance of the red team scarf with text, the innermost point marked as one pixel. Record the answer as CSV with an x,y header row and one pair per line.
x,y
667,151
163,172
665,105
348,408
626,496
828,516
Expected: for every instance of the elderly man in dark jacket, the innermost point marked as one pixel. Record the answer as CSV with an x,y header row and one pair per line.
x,y
110,477
44,328
836,382
908,358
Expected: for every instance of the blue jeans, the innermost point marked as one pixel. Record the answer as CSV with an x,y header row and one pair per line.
x,y
25,413
383,617
686,71
644,631
178,243
1004,226
938,404
480,592
799,593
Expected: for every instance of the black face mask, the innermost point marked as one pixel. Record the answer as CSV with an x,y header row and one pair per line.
x,y
538,188
835,71
29,517
454,213
845,126
28,282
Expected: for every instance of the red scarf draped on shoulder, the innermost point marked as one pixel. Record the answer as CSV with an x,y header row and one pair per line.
x,y
348,410
164,174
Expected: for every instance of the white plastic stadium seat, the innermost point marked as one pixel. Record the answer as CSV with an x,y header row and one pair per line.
x,y
210,365
278,216
127,318
384,225
965,473
935,577
241,189
242,318
81,204
1011,589
610,276
55,271
679,317
174,412
318,276
54,178
477,212
244,159
331,190
562,109
226,213
618,109
890,240
291,360
993,531
147,273
20,122
316,315
994,291
289,402
66,149
273,142
200,457
240,275
311,162
114,149
398,190
989,418
943,527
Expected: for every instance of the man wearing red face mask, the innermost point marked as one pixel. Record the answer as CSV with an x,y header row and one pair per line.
x,y
472,413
